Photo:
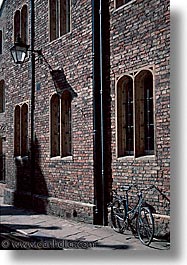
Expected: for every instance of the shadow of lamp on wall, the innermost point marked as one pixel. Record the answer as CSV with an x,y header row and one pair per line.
x,y
19,54
60,82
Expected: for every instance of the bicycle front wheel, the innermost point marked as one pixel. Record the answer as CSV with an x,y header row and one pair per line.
x,y
145,226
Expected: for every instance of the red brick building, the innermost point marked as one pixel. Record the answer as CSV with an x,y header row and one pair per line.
x,y
110,123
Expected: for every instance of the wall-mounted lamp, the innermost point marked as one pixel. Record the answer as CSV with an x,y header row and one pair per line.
x,y
19,51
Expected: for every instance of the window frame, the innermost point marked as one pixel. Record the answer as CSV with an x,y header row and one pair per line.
x,y
60,34
122,116
61,154
2,160
17,131
21,26
24,23
2,93
141,114
133,74
21,149
24,129
55,153
15,33
1,42
66,118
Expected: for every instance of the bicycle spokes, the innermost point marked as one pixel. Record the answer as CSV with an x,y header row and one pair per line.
x,y
145,226
117,220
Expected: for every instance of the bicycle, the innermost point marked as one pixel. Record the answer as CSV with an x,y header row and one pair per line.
x,y
122,215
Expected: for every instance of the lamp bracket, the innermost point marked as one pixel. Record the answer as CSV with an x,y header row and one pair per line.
x,y
41,56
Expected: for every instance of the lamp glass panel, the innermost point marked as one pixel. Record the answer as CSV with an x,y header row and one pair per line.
x,y
14,55
20,56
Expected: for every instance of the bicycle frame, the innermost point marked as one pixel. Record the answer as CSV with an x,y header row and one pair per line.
x,y
135,210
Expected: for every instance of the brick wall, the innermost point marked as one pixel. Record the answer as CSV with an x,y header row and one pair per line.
x,y
68,178
134,36
140,37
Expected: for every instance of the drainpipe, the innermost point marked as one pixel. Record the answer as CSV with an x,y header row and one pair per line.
x,y
101,108
98,130
32,40
95,102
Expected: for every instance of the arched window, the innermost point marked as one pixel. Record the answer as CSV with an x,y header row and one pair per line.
x,y
2,96
144,114
66,124
21,130
125,116
60,117
135,114
55,125
21,24
17,132
24,130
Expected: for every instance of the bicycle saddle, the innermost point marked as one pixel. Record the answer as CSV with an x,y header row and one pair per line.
x,y
125,188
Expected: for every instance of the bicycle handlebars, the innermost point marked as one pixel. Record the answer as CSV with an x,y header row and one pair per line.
x,y
126,188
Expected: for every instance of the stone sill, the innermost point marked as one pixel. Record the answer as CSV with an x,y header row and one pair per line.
x,y
146,157
124,6
59,158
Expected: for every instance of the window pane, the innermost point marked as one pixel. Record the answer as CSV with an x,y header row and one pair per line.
x,y
24,130
66,124
64,16
2,160
24,24
16,25
125,117
1,42
129,117
55,125
59,18
2,96
53,19
144,121
149,120
17,131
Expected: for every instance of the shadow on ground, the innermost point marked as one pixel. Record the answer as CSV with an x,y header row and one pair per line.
x,y
10,210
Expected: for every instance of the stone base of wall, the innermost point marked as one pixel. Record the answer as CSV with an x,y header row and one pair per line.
x,y
162,226
2,189
78,211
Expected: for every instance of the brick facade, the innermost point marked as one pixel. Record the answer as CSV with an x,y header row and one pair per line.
x,y
140,38
135,36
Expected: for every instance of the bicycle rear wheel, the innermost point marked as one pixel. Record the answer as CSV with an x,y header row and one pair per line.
x,y
145,226
116,218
